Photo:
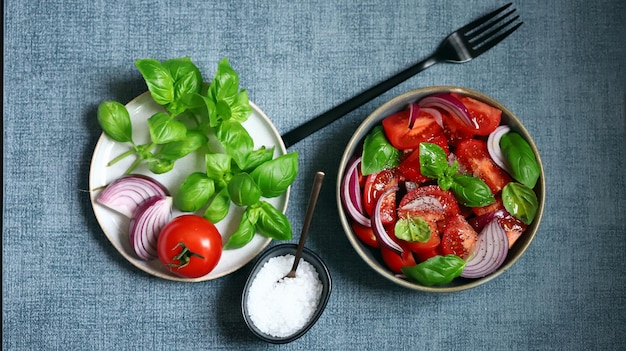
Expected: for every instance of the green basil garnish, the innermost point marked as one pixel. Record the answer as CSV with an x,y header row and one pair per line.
x,y
520,158
194,193
437,270
412,229
274,177
244,233
468,190
114,120
520,201
378,153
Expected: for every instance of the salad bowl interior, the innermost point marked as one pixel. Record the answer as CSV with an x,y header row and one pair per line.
x,y
372,256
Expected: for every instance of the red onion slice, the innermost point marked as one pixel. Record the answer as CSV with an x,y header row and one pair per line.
x,y
425,203
351,194
489,252
414,112
377,225
125,194
146,226
493,146
451,105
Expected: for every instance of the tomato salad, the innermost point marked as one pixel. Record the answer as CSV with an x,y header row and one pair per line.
x,y
442,189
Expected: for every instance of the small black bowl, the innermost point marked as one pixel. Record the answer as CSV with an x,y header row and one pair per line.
x,y
324,276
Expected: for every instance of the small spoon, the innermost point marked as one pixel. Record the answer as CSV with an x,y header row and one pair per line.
x,y
317,184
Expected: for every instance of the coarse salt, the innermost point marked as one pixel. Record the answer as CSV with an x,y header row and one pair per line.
x,y
281,307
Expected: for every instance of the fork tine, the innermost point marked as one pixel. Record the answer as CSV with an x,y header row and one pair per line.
x,y
482,20
486,45
473,34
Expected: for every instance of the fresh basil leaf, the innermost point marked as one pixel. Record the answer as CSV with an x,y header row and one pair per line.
x,y
158,79
114,120
179,149
520,201
413,229
186,75
218,207
520,158
218,168
235,140
243,191
437,270
194,193
243,235
258,157
272,223
225,83
165,129
202,108
433,160
378,153
275,176
160,166
471,191
240,109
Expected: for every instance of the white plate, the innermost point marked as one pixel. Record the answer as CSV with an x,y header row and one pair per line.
x,y
116,226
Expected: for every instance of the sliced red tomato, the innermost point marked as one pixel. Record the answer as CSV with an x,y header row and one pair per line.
x,y
513,227
484,115
445,197
454,130
394,261
405,137
472,154
497,205
375,185
458,237
410,166
428,249
365,234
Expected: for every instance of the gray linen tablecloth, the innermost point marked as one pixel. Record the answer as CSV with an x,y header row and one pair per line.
x,y
64,286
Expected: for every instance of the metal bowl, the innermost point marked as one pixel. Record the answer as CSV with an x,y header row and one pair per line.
x,y
371,256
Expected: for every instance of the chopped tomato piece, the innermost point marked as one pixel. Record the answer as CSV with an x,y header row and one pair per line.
x,y
513,228
458,237
405,137
410,166
375,185
454,130
484,115
394,261
365,234
472,155
445,197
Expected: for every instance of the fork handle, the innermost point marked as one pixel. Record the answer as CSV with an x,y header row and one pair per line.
x,y
321,121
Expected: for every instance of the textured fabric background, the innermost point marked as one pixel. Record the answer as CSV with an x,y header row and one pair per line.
x,y
563,73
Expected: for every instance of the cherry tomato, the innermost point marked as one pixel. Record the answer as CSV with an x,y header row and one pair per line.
x,y
375,185
410,166
365,234
394,261
484,115
404,137
458,237
472,154
190,246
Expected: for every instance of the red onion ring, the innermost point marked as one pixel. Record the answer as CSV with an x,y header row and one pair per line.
x,y
414,111
377,225
451,105
493,146
489,252
125,194
435,113
146,225
351,194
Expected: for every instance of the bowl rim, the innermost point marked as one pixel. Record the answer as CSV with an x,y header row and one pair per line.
x,y
398,103
324,275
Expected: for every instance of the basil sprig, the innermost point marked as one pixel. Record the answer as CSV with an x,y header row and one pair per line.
x,y
194,113
470,191
520,159
520,201
412,229
437,270
378,153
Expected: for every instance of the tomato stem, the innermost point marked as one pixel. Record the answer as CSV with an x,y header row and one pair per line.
x,y
183,257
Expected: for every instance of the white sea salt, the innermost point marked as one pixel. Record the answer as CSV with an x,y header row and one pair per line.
x,y
281,307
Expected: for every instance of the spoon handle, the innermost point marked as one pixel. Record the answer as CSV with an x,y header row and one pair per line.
x,y
315,191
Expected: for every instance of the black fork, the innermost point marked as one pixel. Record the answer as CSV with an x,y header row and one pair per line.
x,y
460,46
